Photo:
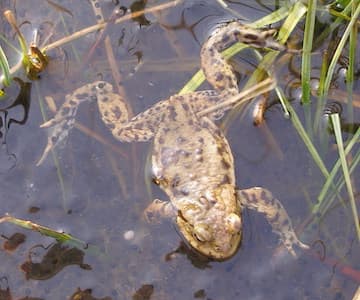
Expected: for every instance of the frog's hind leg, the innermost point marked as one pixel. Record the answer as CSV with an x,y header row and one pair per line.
x,y
263,201
114,114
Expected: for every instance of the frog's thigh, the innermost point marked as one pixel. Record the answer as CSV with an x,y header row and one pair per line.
x,y
263,201
159,209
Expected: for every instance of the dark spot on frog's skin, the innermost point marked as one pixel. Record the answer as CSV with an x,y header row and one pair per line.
x,y
166,130
219,76
172,113
185,106
200,159
73,102
191,122
253,198
65,110
230,78
162,119
184,192
138,126
211,51
267,197
245,195
117,112
225,180
82,96
110,126
65,127
201,140
105,99
54,139
221,150
198,151
264,196
180,140
185,153
254,40
150,127
276,217
161,141
225,164
251,37
285,223
175,181
225,39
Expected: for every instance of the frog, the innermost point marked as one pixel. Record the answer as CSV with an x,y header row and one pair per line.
x,y
192,161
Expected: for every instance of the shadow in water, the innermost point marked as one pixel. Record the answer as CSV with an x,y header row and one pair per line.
x,y
8,159
55,259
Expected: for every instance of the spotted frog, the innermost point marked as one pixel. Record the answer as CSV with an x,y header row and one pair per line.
x,y
191,158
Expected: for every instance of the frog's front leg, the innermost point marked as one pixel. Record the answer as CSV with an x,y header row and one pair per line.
x,y
264,202
158,210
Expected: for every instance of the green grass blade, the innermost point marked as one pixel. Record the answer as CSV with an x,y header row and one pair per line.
x,y
336,167
320,103
295,15
325,205
304,136
59,236
307,48
5,69
340,48
350,72
275,16
336,124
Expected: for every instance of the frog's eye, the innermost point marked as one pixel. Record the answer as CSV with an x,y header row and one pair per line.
x,y
101,85
202,233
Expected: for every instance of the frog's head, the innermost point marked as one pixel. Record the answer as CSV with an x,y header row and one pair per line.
x,y
213,226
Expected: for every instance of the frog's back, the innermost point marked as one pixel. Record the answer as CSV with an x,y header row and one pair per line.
x,y
191,155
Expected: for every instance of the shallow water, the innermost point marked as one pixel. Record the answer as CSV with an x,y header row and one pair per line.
x,y
104,186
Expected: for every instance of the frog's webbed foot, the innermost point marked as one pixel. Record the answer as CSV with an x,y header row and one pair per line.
x,y
158,210
263,201
60,126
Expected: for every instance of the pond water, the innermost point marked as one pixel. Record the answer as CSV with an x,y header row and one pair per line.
x,y
96,188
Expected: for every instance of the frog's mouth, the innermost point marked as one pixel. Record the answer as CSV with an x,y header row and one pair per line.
x,y
207,248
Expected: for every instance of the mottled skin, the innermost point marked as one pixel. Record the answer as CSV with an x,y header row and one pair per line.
x,y
191,160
